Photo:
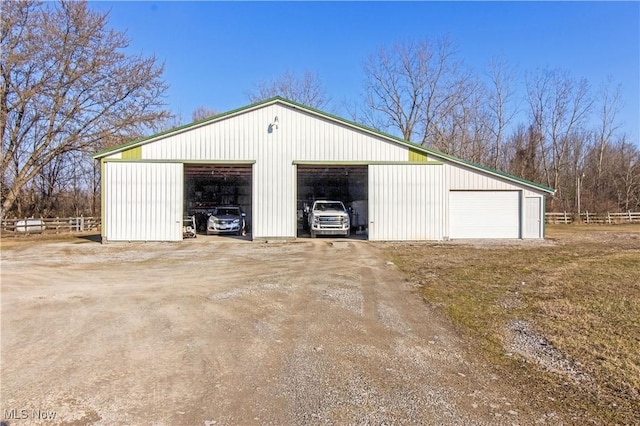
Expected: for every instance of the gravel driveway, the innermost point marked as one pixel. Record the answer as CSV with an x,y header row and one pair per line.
x,y
222,331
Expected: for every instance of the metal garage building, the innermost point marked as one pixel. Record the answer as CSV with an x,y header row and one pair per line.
x,y
274,156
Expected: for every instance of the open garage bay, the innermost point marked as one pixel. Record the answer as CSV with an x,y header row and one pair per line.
x,y
213,185
346,183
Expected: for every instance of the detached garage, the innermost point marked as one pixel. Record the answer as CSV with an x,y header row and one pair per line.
x,y
276,157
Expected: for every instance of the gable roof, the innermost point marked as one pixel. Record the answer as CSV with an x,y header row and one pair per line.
x,y
376,133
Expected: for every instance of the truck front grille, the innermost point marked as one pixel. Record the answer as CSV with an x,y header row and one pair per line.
x,y
330,221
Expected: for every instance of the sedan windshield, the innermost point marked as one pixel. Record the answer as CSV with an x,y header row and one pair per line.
x,y
226,212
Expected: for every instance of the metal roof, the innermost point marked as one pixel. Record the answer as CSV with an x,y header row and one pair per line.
x,y
433,153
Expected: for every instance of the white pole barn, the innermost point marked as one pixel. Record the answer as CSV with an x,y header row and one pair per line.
x,y
273,157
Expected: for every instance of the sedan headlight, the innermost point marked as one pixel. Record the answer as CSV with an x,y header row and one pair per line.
x,y
236,220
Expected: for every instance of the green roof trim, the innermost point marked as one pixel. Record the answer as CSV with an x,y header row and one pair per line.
x,y
366,163
278,99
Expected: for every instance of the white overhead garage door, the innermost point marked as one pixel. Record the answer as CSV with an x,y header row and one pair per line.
x,y
406,201
484,214
143,201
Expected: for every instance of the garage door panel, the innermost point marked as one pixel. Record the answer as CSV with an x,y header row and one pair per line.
x,y
145,201
484,214
405,202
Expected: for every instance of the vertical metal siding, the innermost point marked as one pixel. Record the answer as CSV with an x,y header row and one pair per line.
x,y
306,137
406,202
143,201
465,179
299,137
135,192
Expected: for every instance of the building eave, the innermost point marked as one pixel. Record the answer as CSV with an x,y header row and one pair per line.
x,y
435,154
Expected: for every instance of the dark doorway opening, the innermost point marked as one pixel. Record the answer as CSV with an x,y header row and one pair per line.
x,y
208,186
348,184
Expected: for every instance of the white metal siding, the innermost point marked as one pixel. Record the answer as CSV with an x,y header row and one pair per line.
x,y
484,214
143,201
406,202
299,137
461,178
532,218
274,213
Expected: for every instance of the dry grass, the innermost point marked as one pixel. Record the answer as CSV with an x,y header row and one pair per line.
x,y
578,295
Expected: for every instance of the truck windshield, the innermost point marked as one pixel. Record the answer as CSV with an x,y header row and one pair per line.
x,y
329,206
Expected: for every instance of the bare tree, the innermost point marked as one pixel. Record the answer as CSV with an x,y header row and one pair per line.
x,y
396,87
67,87
462,128
610,104
306,89
558,106
422,90
202,112
500,104
625,174
522,152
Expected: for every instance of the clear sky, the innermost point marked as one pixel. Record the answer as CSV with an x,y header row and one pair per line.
x,y
214,52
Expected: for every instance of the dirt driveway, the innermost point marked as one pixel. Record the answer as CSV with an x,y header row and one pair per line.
x,y
219,331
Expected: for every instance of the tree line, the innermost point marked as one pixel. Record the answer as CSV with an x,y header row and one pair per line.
x,y
561,133
69,90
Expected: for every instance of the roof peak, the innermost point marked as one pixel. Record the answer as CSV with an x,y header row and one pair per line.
x,y
326,115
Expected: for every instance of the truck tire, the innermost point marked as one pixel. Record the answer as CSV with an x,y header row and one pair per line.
x,y
313,233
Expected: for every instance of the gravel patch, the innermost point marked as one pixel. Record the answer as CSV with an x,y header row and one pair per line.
x,y
536,348
229,332
245,291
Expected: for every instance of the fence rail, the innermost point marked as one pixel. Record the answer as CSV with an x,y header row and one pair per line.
x,y
588,217
57,225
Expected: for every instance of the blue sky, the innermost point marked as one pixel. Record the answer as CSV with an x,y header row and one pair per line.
x,y
215,52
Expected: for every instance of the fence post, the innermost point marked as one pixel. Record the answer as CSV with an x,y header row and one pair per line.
x,y
609,218
629,216
565,217
587,216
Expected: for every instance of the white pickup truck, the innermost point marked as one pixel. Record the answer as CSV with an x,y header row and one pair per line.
x,y
328,218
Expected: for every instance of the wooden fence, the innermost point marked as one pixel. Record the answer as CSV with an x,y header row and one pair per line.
x,y
587,217
58,225
55,225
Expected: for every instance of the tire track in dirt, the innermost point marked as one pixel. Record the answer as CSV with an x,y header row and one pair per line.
x,y
237,332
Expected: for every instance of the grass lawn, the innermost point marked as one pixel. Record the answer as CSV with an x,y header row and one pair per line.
x,y
560,317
